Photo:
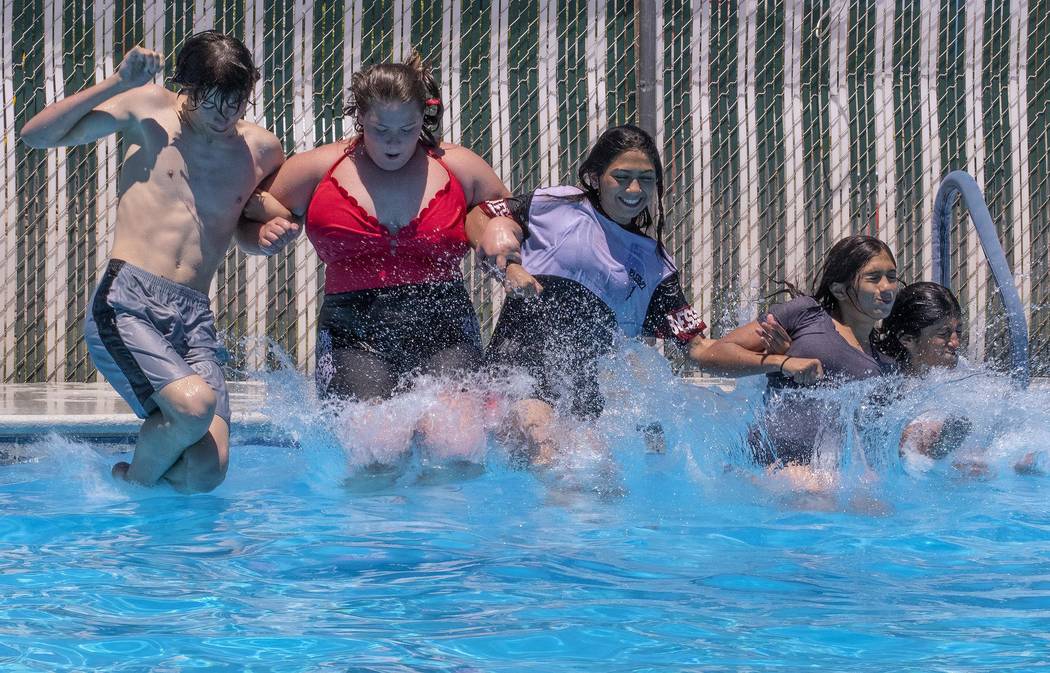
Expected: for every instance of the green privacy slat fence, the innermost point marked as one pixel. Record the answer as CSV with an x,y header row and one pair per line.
x,y
1037,133
998,162
908,190
784,125
78,45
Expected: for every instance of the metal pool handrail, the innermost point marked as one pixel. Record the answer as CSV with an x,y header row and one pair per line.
x,y
960,182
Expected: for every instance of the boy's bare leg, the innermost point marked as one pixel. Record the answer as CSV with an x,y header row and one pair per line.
x,y
186,409
203,464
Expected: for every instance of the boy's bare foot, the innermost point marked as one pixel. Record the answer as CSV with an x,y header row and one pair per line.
x,y
120,470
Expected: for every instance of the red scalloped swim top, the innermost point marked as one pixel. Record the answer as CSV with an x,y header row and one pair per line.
x,y
361,253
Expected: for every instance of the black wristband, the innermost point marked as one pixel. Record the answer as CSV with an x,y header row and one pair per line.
x,y
782,363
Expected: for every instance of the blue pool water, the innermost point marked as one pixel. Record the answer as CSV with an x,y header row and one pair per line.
x,y
701,564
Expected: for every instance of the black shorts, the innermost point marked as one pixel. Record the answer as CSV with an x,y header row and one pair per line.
x,y
557,337
405,325
790,426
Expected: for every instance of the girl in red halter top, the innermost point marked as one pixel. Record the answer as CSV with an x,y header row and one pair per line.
x,y
386,213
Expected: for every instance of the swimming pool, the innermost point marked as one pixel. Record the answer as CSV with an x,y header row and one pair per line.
x,y
695,567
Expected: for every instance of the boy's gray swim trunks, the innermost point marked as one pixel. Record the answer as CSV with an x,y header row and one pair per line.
x,y
144,331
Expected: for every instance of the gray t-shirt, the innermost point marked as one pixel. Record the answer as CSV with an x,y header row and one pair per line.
x,y
794,422
813,335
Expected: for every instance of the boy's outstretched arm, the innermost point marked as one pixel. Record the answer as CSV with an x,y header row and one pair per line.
x,y
97,111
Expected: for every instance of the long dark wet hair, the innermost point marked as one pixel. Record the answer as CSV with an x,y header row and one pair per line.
x,y
213,61
842,264
408,82
918,305
611,144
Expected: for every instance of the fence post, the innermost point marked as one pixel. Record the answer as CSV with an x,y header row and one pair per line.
x,y
646,24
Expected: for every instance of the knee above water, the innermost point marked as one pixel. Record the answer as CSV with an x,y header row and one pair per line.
x,y
197,410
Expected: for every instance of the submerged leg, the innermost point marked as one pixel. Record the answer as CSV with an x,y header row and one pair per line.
x,y
370,430
203,464
530,431
454,426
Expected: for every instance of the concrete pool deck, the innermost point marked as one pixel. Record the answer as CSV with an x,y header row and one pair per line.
x,y
94,411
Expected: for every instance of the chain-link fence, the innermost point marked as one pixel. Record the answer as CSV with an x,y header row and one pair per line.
x,y
785,125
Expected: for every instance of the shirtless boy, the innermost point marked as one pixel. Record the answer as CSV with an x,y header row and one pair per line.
x,y
191,165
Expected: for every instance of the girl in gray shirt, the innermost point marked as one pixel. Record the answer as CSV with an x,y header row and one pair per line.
x,y
831,343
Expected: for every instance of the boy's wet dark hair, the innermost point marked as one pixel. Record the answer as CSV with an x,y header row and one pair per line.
x,y
613,143
919,305
213,62
408,82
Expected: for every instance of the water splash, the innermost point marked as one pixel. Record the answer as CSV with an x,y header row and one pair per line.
x,y
858,462
451,429
439,423
80,470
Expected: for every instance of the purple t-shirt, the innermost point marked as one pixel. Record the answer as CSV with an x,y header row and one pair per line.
x,y
813,335
794,423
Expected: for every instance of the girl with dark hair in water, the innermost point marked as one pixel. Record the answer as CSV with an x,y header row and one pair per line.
x,y
922,331
922,334
832,341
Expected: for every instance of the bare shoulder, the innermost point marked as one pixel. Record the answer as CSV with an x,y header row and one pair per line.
x,y
258,137
480,182
264,145
146,101
319,159
155,94
325,152
295,181
460,158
